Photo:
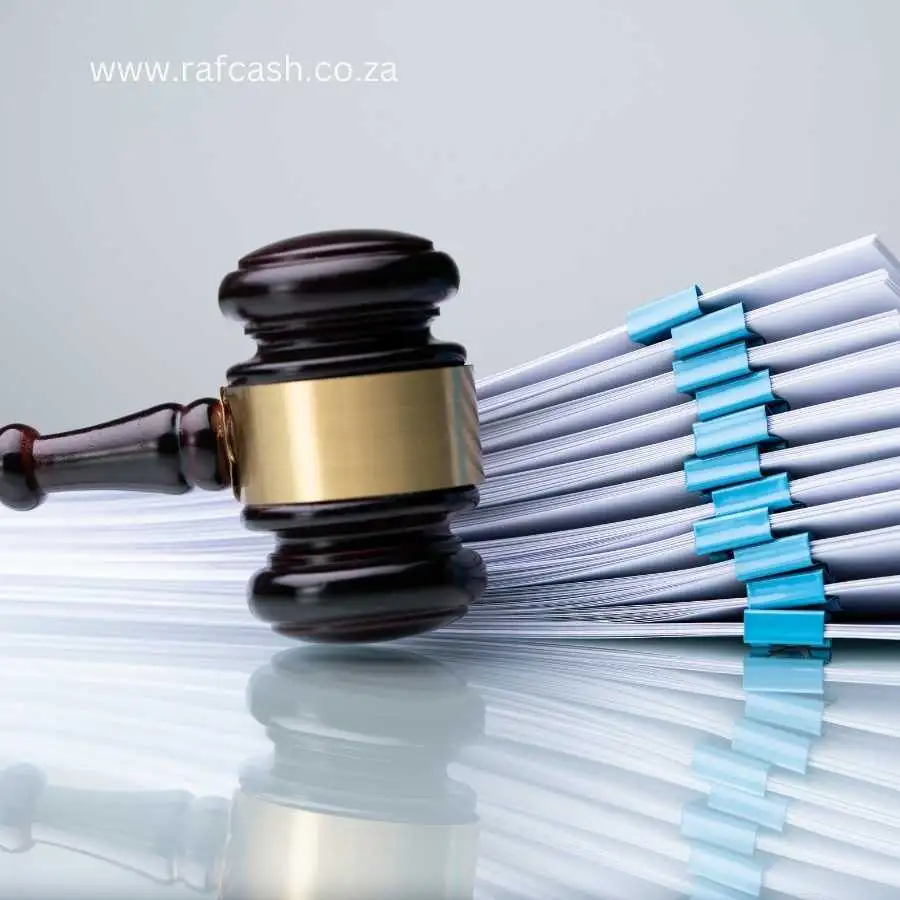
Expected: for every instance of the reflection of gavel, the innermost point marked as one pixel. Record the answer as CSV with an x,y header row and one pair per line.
x,y
353,803
352,435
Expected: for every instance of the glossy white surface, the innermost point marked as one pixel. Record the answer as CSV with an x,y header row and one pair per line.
x,y
575,758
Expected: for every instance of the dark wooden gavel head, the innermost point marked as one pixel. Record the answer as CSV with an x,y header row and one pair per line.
x,y
351,435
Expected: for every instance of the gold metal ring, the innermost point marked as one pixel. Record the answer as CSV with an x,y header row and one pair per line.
x,y
355,437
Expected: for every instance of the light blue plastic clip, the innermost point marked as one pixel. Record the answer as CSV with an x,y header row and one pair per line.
x,y
740,429
722,533
800,589
785,627
733,396
772,493
778,557
655,320
703,474
712,367
725,326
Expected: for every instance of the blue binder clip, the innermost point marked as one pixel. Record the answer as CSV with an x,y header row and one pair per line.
x,y
724,326
798,589
706,473
655,320
739,429
731,532
772,492
778,557
751,390
783,627
713,367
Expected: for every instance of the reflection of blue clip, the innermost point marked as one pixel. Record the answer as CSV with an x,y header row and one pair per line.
x,y
655,320
804,714
703,889
722,765
767,812
731,870
700,823
789,674
781,748
776,731
724,326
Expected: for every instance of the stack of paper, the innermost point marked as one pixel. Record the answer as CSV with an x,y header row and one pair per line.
x,y
599,514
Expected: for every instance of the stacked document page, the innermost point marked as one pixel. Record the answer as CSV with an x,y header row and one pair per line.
x,y
588,521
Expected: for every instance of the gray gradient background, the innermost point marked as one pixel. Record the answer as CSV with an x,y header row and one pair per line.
x,y
576,157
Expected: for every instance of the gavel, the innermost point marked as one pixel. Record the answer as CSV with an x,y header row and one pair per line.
x,y
351,435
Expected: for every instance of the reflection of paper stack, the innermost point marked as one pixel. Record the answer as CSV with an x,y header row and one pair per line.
x,y
638,769
590,765
657,485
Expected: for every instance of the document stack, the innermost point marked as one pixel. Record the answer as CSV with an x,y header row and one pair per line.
x,y
725,463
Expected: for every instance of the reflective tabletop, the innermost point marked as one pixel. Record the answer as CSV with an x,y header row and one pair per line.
x,y
444,767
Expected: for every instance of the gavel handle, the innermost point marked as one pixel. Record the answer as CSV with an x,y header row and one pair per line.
x,y
165,449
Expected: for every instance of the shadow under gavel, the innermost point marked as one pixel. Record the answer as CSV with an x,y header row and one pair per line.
x,y
351,435
354,802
